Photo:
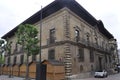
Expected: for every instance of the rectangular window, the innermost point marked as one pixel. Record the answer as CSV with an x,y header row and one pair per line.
x,y
52,35
33,57
96,41
15,58
80,55
51,54
8,60
77,33
15,50
22,59
87,38
91,56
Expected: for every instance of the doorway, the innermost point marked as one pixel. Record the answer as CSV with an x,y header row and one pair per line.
x,y
100,63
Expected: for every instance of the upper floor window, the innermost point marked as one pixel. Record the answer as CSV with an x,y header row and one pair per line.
x,y
52,35
16,47
51,54
80,55
96,41
87,38
77,34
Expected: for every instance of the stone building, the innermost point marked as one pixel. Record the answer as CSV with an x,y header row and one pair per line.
x,y
72,35
119,55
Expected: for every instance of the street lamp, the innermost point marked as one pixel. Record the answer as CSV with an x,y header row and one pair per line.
x,y
38,70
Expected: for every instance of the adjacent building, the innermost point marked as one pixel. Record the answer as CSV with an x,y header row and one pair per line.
x,y
119,55
70,34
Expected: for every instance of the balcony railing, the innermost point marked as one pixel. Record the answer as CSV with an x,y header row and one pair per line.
x,y
51,40
82,41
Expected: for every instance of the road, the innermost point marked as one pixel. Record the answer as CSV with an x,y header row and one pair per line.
x,y
110,77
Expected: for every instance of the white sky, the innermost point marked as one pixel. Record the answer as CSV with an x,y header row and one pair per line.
x,y
13,12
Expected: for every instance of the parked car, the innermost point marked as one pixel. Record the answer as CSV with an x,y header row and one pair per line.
x,y
117,69
101,74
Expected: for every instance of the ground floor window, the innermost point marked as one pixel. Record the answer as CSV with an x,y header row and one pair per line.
x,y
51,54
80,55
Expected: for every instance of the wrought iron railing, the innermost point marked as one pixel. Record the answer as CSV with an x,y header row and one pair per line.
x,y
51,40
82,41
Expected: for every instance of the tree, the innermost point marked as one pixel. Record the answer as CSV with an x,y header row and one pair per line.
x,y
8,49
27,37
2,50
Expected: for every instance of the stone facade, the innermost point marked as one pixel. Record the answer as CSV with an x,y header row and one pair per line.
x,y
81,46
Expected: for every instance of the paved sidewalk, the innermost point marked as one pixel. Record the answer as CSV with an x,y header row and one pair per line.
x,y
6,77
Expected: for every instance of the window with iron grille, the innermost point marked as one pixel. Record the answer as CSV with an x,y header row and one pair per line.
x,y
80,55
52,35
91,56
51,54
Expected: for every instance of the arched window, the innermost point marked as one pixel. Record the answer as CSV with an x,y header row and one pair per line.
x,y
81,68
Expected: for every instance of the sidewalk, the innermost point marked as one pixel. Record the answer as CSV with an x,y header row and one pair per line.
x,y
6,77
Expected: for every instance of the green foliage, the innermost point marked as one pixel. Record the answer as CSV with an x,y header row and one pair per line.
x,y
8,47
1,59
2,44
2,50
27,37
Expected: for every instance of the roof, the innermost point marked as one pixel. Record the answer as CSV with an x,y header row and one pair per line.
x,y
54,62
56,6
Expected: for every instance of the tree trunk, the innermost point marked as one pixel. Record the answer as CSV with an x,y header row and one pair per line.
x,y
27,68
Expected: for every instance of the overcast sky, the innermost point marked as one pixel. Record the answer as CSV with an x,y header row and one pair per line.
x,y
13,12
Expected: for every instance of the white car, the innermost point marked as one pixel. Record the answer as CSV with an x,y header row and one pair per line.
x,y
101,74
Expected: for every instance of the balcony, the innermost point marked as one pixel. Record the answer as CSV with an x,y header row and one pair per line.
x,y
51,40
86,43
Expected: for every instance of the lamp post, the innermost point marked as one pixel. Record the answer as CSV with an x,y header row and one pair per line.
x,y
38,70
